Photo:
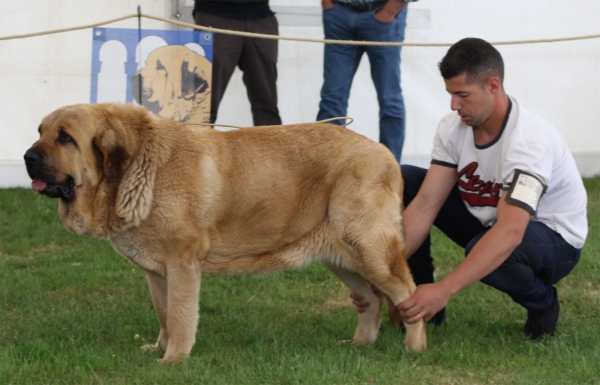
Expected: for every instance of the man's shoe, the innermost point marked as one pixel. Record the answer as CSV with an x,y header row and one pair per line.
x,y
541,323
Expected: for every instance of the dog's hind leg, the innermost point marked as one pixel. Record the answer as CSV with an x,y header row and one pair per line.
x,y
370,319
158,291
392,276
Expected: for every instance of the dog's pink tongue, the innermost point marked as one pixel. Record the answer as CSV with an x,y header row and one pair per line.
x,y
38,185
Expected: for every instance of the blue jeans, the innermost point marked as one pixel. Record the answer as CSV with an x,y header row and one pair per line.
x,y
541,260
341,63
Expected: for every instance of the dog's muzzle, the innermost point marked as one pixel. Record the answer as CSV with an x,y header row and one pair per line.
x,y
42,182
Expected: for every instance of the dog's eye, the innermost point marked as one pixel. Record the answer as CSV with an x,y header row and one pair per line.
x,y
159,66
64,138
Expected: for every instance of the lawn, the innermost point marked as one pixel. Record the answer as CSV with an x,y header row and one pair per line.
x,y
72,311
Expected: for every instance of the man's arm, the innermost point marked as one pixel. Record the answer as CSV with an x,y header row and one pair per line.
x,y
387,14
424,208
390,10
326,4
489,253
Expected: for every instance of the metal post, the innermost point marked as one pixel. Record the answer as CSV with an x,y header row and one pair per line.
x,y
139,9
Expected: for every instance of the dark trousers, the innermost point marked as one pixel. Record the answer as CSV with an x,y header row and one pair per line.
x,y
541,260
256,58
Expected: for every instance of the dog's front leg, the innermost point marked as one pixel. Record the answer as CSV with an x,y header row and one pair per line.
x,y
183,292
158,291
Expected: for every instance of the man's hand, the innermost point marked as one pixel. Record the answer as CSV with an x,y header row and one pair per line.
x,y
390,10
326,4
425,303
357,299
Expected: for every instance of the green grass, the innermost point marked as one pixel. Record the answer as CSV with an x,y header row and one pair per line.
x,y
71,308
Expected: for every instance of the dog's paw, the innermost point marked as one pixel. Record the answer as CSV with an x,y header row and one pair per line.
x,y
415,346
364,340
150,347
365,335
416,338
173,359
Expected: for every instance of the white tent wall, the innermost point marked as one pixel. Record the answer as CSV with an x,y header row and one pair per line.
x,y
559,81
40,74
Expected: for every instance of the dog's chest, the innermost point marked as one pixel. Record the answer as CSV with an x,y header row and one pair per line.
x,y
136,252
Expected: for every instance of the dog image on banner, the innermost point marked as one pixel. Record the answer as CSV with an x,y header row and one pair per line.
x,y
168,72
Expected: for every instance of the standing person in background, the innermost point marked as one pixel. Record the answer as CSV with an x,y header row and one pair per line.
x,y
367,20
256,58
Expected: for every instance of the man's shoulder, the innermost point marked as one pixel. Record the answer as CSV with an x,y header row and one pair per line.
x,y
528,126
526,117
532,141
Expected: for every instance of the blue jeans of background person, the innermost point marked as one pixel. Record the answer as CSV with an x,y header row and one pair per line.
x,y
341,63
541,260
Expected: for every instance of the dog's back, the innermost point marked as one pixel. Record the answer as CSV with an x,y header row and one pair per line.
x,y
266,189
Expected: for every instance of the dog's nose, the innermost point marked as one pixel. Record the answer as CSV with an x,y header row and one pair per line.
x,y
32,157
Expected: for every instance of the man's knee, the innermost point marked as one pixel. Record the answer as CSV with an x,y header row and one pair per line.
x,y
513,278
413,177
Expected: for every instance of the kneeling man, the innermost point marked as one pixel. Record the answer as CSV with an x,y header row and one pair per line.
x,y
503,185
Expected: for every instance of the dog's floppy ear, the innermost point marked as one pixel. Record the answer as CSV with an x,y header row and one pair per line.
x,y
193,80
111,157
130,151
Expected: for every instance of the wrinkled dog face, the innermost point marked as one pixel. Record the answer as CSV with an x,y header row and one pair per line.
x,y
57,163
81,158
68,156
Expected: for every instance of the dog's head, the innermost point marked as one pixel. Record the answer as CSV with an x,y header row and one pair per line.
x,y
81,157
175,84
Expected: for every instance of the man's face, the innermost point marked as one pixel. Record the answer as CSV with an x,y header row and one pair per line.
x,y
473,102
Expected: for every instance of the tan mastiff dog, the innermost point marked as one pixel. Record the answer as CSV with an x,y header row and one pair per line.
x,y
177,202
175,84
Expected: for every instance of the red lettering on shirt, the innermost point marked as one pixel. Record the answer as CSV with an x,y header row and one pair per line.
x,y
477,192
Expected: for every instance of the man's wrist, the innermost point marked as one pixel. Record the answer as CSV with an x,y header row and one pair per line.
x,y
448,286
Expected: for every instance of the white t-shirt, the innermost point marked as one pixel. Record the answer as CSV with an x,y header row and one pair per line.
x,y
527,143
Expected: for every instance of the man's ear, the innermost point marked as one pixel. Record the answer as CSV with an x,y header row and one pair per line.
x,y
111,157
494,84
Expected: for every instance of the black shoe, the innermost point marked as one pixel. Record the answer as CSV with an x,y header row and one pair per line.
x,y
542,323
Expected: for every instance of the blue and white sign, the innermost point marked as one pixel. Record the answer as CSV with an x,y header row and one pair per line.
x,y
167,71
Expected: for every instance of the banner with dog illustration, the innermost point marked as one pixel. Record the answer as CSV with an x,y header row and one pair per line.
x,y
167,71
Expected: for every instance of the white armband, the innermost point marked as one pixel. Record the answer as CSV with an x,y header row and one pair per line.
x,y
525,191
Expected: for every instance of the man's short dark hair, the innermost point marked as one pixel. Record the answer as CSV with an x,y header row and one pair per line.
x,y
474,57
